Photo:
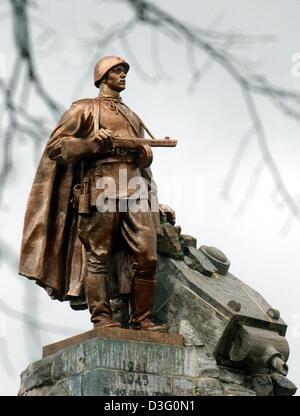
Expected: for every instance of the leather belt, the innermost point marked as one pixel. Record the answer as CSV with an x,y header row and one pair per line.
x,y
115,159
119,154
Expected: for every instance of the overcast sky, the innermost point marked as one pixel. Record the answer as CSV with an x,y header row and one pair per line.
x,y
260,237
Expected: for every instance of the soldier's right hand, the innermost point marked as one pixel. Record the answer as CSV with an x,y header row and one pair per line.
x,y
104,138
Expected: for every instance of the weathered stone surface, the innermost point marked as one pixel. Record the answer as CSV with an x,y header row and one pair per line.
x,y
217,307
261,384
208,366
209,387
104,382
190,336
36,374
56,390
130,356
105,367
175,301
235,306
187,241
183,386
169,242
188,261
273,313
144,384
283,386
68,362
231,376
257,347
231,389
201,262
120,360
217,258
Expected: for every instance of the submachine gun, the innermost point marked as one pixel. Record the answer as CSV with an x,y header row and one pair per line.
x,y
141,148
73,149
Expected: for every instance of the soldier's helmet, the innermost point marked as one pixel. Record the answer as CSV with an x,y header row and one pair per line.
x,y
104,65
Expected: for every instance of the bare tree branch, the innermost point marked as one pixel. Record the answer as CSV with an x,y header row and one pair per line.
x,y
234,165
267,155
34,323
250,81
250,188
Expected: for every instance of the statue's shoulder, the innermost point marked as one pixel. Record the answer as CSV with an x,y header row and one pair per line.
x,y
84,103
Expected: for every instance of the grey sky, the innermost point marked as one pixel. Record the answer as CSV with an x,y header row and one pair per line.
x,y
262,241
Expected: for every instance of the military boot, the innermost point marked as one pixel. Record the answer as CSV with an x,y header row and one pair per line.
x,y
98,301
141,300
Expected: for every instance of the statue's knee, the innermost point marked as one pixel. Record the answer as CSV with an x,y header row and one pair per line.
x,y
146,265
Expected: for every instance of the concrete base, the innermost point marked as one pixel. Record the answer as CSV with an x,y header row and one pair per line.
x,y
122,367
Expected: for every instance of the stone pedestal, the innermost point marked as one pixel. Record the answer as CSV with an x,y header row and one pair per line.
x,y
95,364
225,339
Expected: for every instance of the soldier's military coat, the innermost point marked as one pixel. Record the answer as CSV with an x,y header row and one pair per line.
x,y
51,252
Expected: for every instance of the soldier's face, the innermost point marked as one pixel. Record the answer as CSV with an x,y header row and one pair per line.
x,y
116,78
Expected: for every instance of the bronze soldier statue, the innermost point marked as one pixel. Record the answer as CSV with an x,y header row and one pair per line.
x,y
67,241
